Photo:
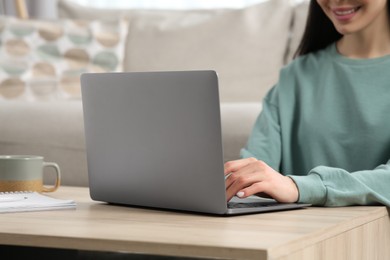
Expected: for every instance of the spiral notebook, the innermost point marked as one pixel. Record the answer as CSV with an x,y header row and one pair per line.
x,y
31,201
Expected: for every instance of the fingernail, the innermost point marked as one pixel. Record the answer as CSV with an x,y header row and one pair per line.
x,y
240,194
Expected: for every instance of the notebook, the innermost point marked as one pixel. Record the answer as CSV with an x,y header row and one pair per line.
x,y
31,201
153,139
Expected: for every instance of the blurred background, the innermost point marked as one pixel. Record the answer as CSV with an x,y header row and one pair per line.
x,y
47,8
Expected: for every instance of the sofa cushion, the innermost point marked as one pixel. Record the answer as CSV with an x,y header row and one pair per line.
x,y
43,59
55,130
245,46
237,121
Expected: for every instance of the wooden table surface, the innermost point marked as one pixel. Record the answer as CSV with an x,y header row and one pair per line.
x,y
310,233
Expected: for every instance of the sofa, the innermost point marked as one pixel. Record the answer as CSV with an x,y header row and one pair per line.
x,y
40,103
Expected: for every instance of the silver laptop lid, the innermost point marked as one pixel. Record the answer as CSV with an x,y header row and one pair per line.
x,y
154,139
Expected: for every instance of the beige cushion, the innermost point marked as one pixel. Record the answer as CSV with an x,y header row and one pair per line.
x,y
55,130
245,46
237,121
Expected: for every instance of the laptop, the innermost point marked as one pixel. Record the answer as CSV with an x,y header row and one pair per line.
x,y
153,139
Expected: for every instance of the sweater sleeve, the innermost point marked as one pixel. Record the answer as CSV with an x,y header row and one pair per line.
x,y
326,186
264,141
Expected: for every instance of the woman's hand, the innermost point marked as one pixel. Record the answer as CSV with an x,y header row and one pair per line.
x,y
250,176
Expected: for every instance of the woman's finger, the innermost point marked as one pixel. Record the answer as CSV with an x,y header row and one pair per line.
x,y
255,188
233,166
239,181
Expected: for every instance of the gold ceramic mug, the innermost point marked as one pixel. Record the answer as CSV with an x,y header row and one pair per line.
x,y
25,173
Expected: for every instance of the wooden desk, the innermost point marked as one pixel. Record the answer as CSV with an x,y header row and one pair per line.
x,y
312,233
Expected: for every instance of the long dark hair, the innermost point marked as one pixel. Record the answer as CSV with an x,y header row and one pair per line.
x,y
319,31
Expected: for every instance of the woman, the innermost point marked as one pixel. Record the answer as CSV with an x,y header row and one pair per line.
x,y
323,136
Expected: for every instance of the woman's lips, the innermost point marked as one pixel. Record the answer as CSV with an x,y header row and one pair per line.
x,y
345,14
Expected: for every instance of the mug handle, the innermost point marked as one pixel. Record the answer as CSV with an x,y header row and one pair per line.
x,y
58,176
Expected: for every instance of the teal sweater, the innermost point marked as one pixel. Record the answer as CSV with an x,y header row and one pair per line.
x,y
326,124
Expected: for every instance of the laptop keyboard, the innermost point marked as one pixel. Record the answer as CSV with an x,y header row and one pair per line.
x,y
236,205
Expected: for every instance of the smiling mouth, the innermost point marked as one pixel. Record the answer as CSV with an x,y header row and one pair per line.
x,y
345,14
346,11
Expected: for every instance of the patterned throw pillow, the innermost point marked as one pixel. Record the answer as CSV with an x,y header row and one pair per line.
x,y
43,60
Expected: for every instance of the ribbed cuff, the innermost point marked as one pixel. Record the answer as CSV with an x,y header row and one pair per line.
x,y
311,189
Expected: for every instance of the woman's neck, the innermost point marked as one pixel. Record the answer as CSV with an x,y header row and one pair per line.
x,y
363,49
371,42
